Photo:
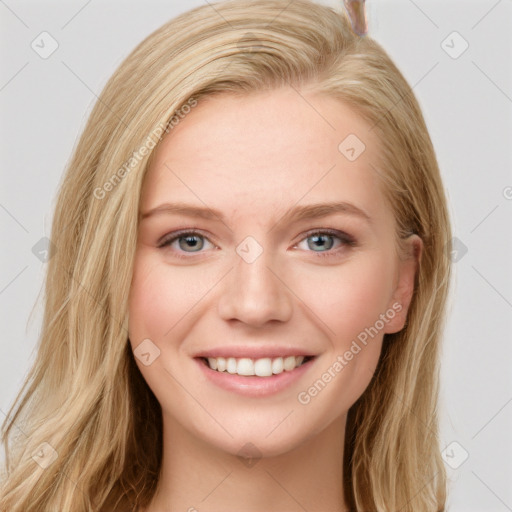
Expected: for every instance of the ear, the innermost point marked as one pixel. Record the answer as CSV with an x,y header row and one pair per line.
x,y
408,267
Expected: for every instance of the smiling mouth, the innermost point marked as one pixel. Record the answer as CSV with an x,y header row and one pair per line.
x,y
262,367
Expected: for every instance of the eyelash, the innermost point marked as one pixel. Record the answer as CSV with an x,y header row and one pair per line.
x,y
345,238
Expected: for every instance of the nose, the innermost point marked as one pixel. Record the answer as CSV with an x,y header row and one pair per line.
x,y
254,293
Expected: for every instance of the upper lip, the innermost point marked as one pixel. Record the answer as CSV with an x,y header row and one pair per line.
x,y
256,352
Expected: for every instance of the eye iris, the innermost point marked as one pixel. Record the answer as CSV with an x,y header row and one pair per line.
x,y
318,238
191,239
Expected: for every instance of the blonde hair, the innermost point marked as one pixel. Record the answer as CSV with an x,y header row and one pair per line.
x,y
85,396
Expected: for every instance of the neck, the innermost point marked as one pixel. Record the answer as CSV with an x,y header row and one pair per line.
x,y
196,476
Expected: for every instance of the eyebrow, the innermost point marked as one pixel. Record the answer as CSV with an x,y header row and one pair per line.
x,y
310,211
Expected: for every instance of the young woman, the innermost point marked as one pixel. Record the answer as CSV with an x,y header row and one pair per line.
x,y
246,300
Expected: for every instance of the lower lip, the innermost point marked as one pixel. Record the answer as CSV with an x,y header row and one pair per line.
x,y
253,385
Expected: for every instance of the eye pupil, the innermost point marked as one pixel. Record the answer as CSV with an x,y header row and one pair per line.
x,y
318,238
192,242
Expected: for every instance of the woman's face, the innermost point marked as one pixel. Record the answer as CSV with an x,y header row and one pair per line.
x,y
266,279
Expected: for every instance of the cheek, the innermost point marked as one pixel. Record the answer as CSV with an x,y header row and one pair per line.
x,y
162,298
148,294
350,302
350,297
161,307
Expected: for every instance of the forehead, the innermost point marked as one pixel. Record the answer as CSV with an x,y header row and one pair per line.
x,y
265,152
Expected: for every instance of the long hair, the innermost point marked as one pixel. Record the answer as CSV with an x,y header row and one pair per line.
x,y
85,431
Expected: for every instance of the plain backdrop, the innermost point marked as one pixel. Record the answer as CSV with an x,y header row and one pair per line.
x,y
457,55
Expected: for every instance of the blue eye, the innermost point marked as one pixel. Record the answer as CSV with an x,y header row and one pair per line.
x,y
322,239
186,240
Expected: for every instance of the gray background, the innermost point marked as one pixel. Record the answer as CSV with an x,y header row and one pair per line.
x,y
467,102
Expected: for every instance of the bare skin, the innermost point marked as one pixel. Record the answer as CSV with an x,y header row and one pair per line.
x,y
253,158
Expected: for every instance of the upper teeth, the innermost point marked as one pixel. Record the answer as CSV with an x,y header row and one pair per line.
x,y
264,367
